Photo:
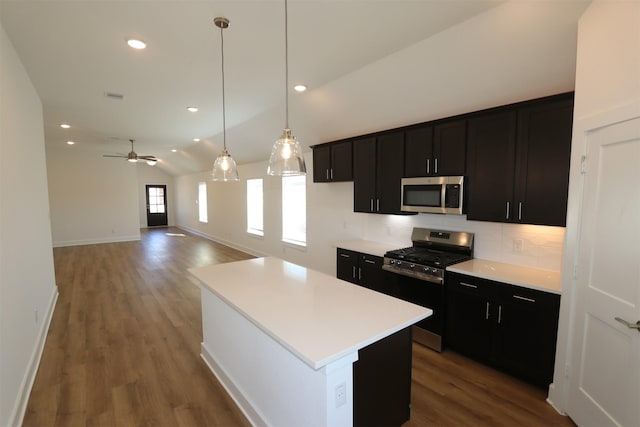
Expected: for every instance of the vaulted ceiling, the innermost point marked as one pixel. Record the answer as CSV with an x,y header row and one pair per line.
x,y
75,53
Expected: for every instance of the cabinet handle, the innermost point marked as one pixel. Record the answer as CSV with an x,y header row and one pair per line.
x,y
486,315
331,173
327,170
507,210
519,211
377,205
354,272
499,314
469,285
345,255
369,261
435,165
524,298
359,273
427,166
371,202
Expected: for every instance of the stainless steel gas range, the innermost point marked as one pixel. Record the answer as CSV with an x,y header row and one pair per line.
x,y
418,275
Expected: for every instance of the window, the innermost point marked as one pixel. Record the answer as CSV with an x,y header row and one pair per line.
x,y
294,210
254,207
202,202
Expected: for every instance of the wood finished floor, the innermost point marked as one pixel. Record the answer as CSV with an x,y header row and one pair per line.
x,y
123,349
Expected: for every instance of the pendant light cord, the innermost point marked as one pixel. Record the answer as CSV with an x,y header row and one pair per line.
x,y
224,119
286,61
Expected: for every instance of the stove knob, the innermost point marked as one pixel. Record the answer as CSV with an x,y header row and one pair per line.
x,y
392,262
412,266
398,262
425,269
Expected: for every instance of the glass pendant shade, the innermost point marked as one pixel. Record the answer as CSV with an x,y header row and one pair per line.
x,y
286,156
224,168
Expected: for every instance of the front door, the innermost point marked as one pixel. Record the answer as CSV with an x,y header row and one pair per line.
x,y
156,205
605,383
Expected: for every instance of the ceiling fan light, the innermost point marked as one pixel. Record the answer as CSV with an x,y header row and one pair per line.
x,y
286,156
225,168
152,162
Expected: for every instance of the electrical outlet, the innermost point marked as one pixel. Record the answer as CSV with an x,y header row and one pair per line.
x,y
341,394
518,245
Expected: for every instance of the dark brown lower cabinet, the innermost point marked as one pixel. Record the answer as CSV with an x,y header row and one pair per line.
x,y
509,327
382,382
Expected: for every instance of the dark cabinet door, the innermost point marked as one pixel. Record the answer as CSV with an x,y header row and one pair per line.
x,y
333,162
390,154
518,163
418,156
364,174
371,273
342,161
491,166
321,163
544,147
449,148
525,341
510,327
469,326
347,265
382,382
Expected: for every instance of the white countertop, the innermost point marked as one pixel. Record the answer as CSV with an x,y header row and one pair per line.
x,y
368,246
534,278
317,317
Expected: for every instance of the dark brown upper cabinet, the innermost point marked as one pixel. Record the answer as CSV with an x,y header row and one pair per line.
x,y
437,150
377,171
333,162
518,162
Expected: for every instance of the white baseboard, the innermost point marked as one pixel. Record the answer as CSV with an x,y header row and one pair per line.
x,y
236,394
17,415
223,242
96,241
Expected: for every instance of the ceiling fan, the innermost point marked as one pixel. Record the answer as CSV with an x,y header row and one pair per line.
x,y
134,157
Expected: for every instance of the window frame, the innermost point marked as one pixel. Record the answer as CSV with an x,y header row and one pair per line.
x,y
254,229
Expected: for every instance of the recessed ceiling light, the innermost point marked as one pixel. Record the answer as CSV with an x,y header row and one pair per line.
x,y
136,44
196,139
64,126
192,109
70,142
173,150
300,88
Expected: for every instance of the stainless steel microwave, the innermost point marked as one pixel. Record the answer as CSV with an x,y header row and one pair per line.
x,y
437,194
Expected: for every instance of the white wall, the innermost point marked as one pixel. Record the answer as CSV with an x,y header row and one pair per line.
x,y
93,199
607,90
27,282
330,219
151,175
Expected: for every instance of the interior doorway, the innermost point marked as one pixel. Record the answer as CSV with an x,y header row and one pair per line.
x,y
156,205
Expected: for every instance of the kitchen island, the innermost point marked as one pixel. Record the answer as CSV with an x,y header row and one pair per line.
x,y
286,342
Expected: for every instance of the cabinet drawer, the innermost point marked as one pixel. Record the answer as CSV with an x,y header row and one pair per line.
x,y
373,261
529,297
468,284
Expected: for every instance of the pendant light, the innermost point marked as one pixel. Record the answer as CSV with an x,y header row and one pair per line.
x,y
224,168
286,156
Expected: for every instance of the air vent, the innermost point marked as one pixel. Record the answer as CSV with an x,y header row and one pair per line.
x,y
114,95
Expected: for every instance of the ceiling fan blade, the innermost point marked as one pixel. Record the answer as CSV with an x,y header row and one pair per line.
x,y
148,158
112,155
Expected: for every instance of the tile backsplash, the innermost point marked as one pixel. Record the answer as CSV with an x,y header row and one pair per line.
x,y
520,244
